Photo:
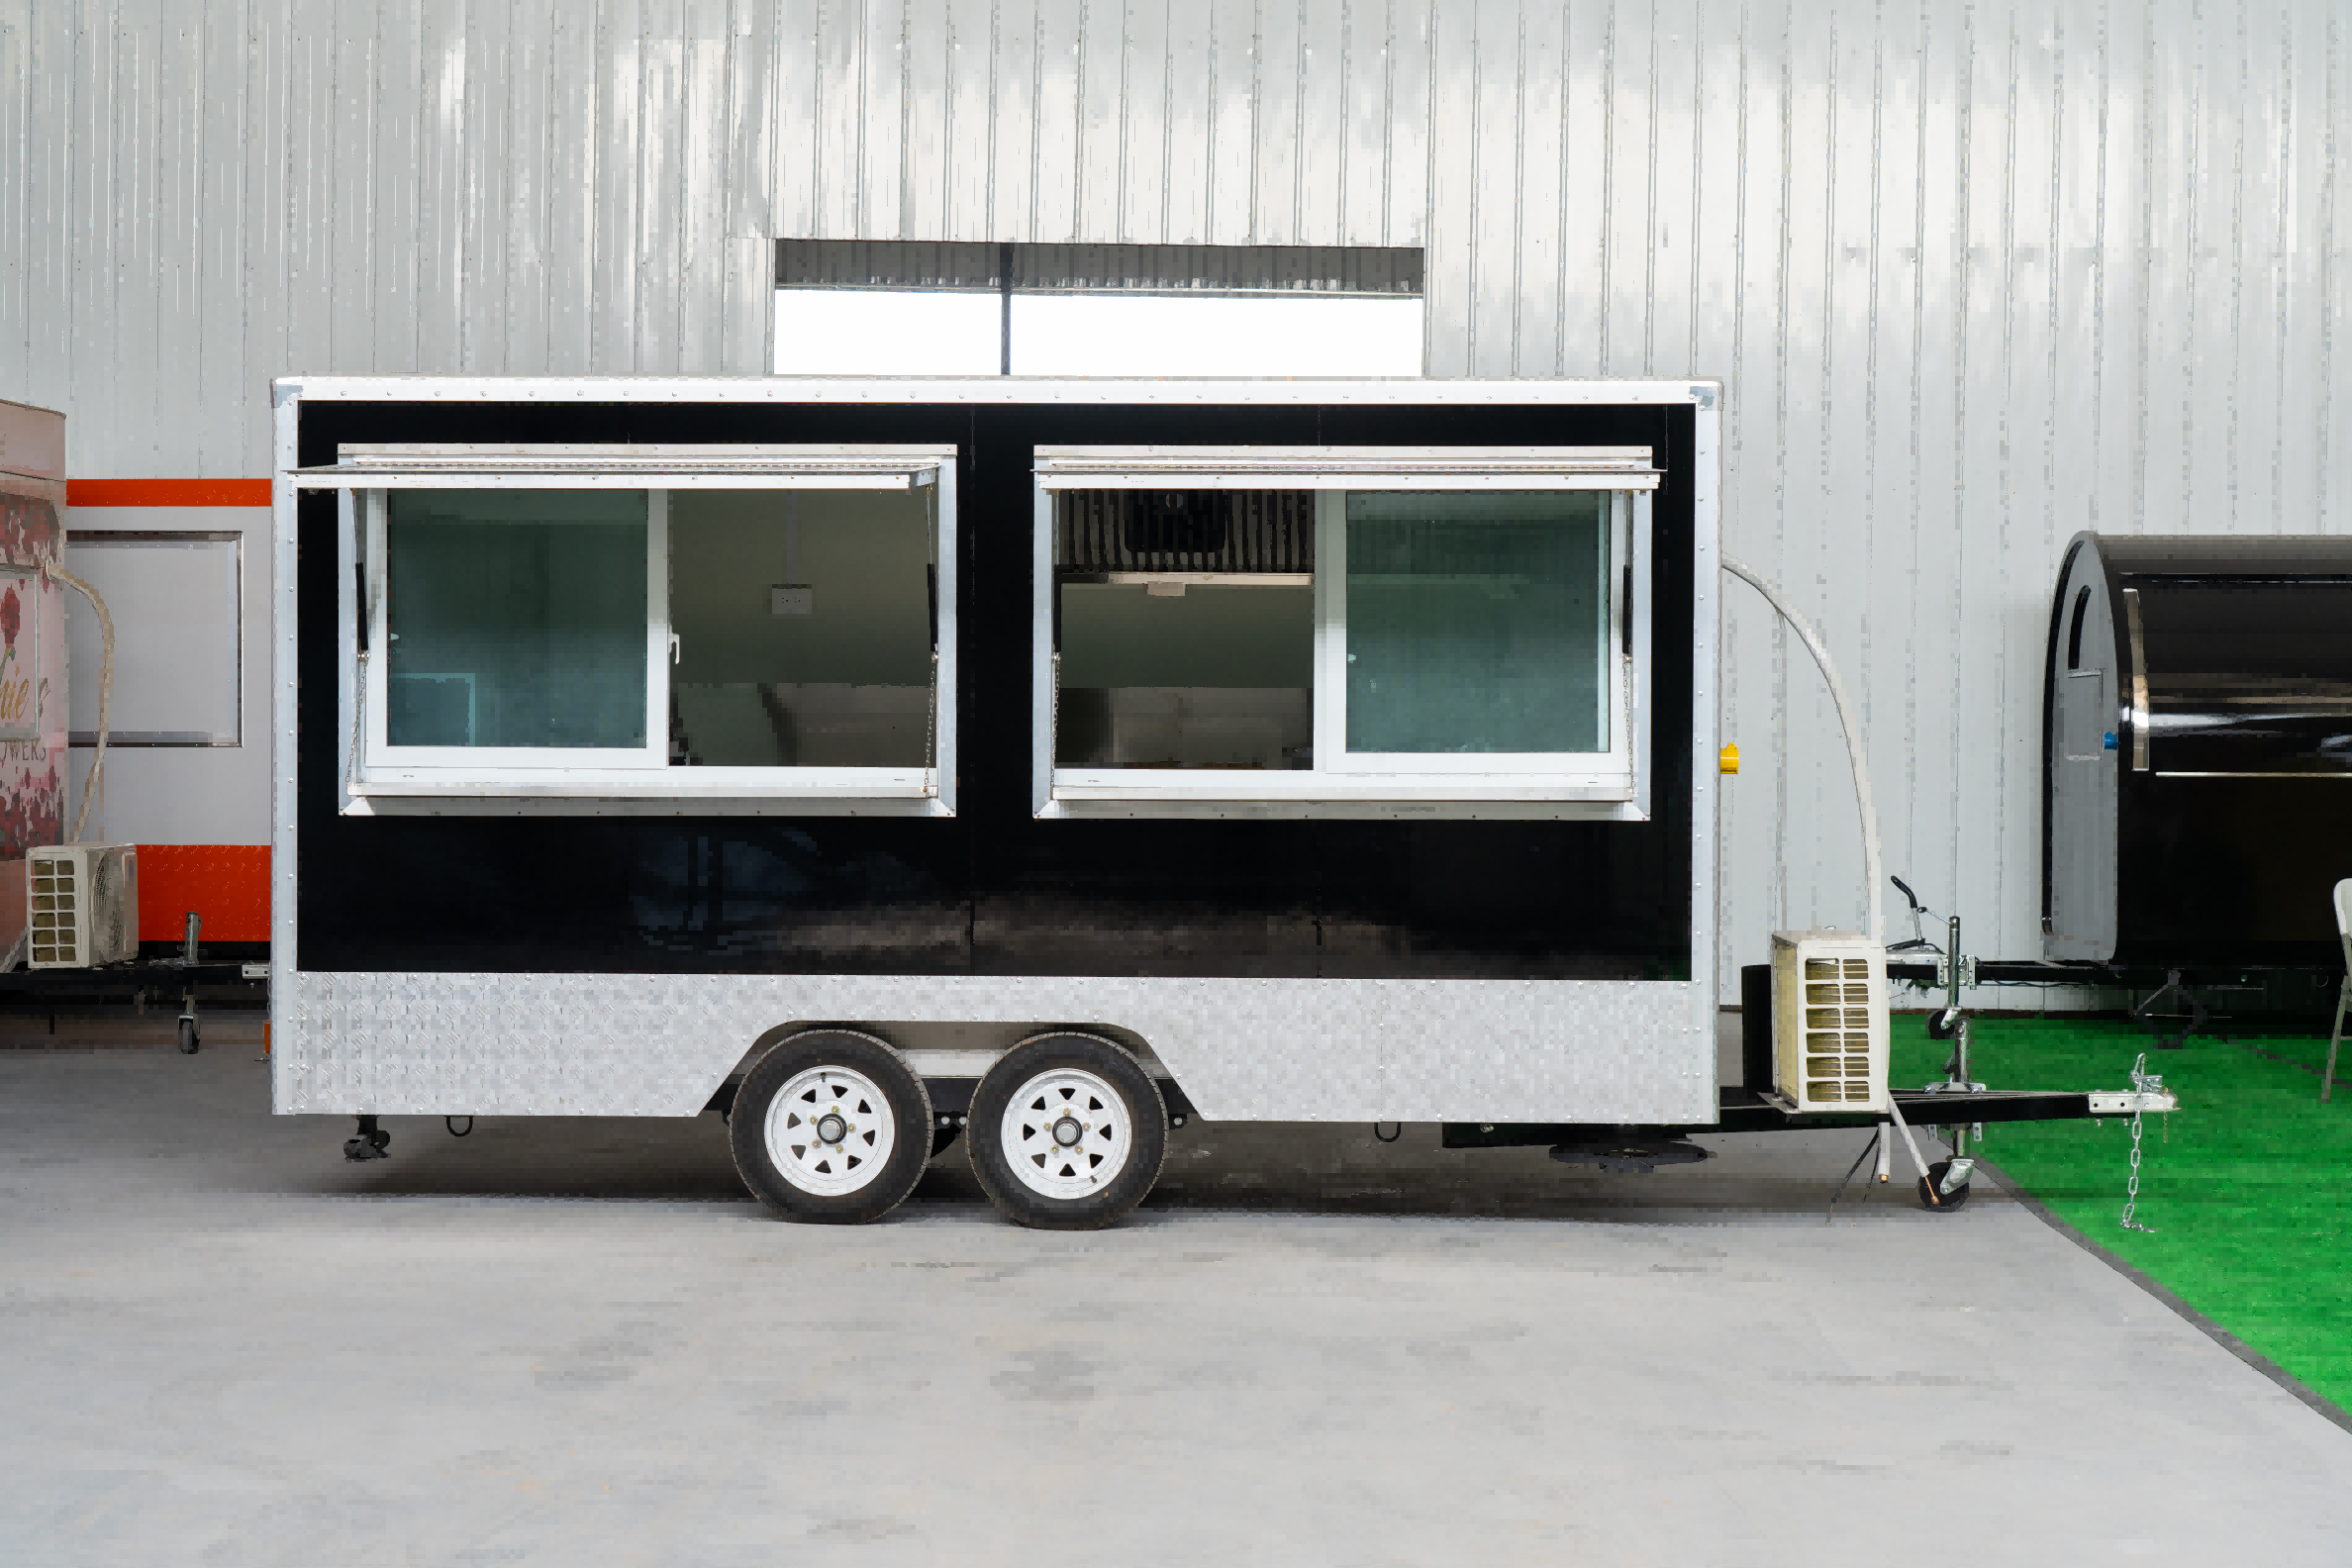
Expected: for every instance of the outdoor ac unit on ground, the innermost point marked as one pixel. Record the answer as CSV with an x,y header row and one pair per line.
x,y
83,905
1829,1021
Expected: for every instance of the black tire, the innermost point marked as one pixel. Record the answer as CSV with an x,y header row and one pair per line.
x,y
1941,1202
1098,1178
883,1105
189,1040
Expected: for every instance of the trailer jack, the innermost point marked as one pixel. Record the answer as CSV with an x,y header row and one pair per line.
x,y
369,1144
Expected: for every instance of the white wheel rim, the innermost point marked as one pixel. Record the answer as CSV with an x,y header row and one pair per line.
x,y
800,1120
1067,1134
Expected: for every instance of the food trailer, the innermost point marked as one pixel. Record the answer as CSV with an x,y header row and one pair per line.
x,y
1040,762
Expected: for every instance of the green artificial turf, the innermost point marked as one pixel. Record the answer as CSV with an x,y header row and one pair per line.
x,y
2247,1188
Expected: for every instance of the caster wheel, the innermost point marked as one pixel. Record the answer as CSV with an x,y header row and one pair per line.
x,y
831,1127
189,1040
1068,1132
1944,1201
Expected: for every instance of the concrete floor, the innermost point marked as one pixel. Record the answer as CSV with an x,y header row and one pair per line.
x,y
579,1342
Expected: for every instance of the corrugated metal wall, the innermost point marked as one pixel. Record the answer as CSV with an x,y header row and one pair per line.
x,y
1977,275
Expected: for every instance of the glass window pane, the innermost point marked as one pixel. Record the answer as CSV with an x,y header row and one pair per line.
x,y
1478,623
1193,676
517,617
1186,625
804,624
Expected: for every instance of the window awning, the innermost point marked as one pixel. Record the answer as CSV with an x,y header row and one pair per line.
x,y
1346,468
468,466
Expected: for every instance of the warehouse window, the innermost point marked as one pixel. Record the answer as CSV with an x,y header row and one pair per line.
x,y
176,597
1366,631
743,628
890,308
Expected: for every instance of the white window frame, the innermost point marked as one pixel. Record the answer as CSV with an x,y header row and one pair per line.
x,y
379,778
485,765
1611,785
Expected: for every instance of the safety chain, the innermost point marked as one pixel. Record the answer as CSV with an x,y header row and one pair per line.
x,y
2142,1082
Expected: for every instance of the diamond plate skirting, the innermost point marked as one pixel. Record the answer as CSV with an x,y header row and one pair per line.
x,y
1308,1050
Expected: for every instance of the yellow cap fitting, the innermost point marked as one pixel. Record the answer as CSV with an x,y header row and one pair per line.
x,y
1728,762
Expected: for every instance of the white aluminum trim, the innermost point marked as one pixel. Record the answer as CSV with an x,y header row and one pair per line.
x,y
1450,806
995,390
1707,633
284,953
380,759
814,457
538,781
679,784
1346,467
666,478
1392,479
570,803
1045,663
947,536
1636,716
1405,780
588,465
1248,784
1585,775
351,528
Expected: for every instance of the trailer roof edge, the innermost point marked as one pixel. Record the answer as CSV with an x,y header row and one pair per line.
x,y
989,389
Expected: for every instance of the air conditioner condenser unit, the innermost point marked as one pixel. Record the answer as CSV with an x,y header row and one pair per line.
x,y
1829,1021
82,904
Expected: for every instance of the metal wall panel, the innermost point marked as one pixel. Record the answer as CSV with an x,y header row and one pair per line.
x,y
1977,275
18,161
660,1045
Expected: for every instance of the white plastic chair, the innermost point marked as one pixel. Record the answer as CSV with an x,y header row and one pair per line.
x,y
2343,904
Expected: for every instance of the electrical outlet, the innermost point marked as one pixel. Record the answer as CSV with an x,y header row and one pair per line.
x,y
792,599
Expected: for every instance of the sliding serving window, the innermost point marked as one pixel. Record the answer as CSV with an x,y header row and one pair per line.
x,y
747,629
1442,631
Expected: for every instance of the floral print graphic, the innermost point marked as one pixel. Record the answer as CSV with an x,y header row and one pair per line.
x,y
32,786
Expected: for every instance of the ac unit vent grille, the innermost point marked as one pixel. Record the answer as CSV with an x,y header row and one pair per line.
x,y
55,929
84,904
1829,1023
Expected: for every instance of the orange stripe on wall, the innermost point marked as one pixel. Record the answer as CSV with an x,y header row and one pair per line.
x,y
167,493
227,884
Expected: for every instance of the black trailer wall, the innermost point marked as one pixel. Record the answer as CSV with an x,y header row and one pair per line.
x,y
994,891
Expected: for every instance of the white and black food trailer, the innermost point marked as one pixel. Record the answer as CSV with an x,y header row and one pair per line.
x,y
1044,760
